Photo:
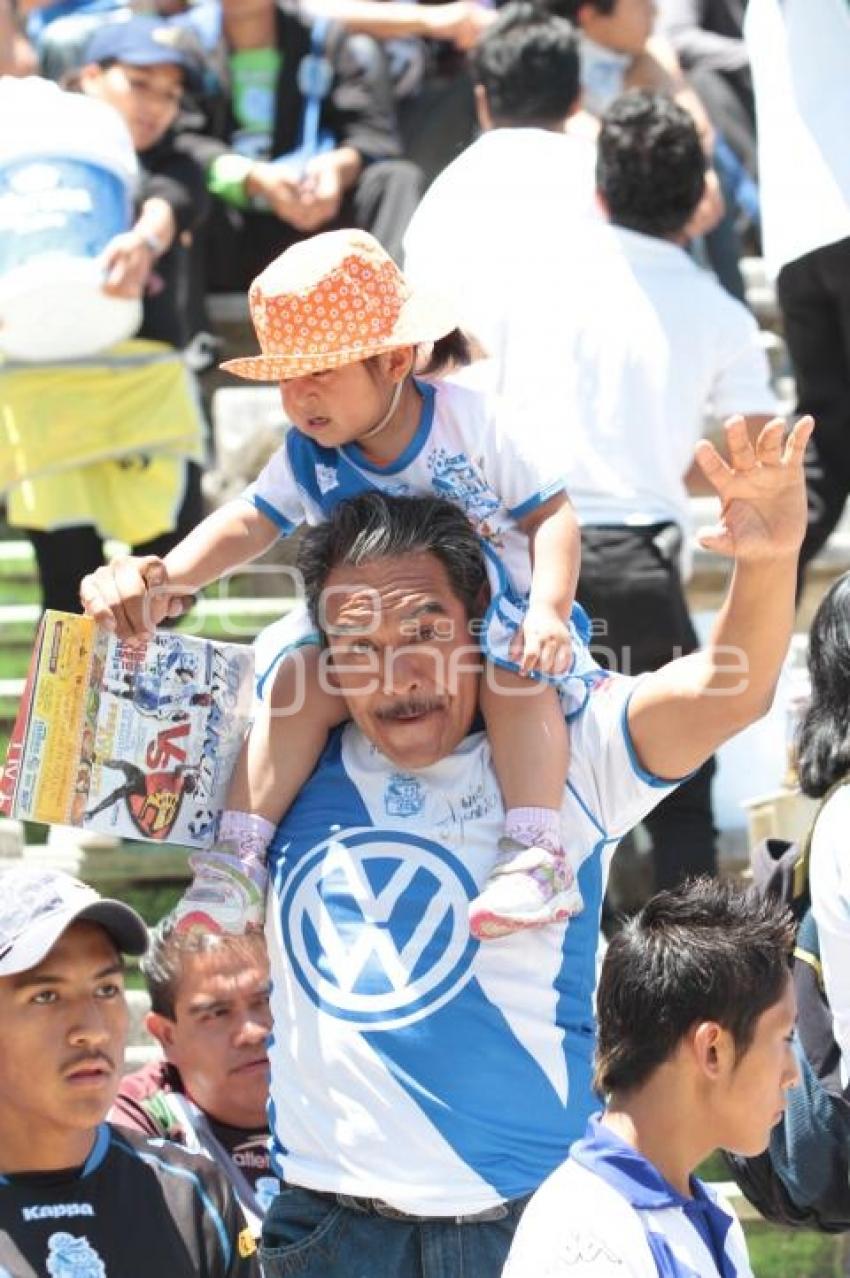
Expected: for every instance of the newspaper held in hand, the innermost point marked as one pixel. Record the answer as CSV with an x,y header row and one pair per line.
x,y
137,740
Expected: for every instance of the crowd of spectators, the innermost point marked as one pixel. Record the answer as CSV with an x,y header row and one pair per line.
x,y
379,1094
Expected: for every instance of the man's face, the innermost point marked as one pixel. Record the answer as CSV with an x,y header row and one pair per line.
x,y
64,1025
753,1097
147,97
217,1039
625,29
403,656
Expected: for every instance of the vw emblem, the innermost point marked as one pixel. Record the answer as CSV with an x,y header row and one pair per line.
x,y
375,926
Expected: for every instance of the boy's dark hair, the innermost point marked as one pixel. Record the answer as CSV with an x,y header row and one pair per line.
x,y
823,738
162,965
528,64
374,525
706,951
650,165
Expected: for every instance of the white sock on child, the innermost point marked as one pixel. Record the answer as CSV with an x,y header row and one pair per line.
x,y
535,827
248,834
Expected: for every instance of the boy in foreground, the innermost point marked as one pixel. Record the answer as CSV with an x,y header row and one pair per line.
x,y
706,967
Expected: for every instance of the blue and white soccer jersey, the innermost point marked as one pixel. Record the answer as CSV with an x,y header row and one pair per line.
x,y
409,1062
467,449
618,1218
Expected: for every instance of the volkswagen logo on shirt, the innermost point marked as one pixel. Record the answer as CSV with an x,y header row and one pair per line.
x,y
375,925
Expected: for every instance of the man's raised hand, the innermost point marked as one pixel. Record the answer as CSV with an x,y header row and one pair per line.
x,y
762,490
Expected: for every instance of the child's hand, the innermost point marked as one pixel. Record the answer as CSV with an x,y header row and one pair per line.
x,y
131,596
542,643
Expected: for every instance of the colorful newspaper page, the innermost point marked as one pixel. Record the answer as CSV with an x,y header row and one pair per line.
x,y
138,741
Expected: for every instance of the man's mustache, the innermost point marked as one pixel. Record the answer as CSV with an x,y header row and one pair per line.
x,y
82,1059
410,707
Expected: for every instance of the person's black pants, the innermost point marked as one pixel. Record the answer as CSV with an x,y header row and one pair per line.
x,y
814,295
631,589
66,555
239,244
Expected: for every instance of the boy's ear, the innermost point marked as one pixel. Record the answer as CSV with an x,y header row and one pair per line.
x,y
712,1047
90,74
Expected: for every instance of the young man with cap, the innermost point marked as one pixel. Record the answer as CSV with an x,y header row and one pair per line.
x,y
76,1195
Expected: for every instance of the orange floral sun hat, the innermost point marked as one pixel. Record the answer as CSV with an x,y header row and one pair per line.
x,y
335,299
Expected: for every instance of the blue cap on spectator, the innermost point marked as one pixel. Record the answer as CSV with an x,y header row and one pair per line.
x,y
147,42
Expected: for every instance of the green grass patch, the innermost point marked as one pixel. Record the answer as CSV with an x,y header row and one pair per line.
x,y
790,1253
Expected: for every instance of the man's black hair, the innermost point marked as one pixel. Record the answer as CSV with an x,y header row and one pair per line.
x,y
528,64
375,525
650,165
823,739
706,951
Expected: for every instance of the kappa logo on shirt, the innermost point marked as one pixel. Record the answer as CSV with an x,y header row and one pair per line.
x,y
56,1211
375,923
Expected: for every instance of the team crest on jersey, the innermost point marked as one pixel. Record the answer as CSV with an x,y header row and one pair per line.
x,y
375,924
326,478
403,796
70,1257
456,479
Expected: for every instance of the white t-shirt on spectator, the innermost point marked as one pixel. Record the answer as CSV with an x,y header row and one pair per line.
x,y
510,188
800,57
627,344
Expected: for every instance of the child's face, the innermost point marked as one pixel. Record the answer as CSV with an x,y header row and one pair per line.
x,y
340,405
147,97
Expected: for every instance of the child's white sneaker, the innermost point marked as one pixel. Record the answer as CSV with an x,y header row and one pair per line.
x,y
227,894
528,887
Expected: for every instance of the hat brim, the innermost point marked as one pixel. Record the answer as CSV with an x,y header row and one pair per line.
x,y
126,928
422,318
193,76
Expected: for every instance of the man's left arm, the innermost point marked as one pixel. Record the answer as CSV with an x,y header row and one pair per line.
x,y
679,715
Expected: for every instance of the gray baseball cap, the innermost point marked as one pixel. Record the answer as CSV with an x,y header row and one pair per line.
x,y
37,905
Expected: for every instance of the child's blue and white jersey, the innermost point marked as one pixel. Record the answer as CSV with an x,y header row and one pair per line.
x,y
409,1062
609,1213
466,449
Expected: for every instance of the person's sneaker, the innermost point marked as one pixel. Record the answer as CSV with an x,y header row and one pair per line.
x,y
226,895
528,887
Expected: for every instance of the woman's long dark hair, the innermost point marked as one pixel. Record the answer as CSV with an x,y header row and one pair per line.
x,y
823,738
